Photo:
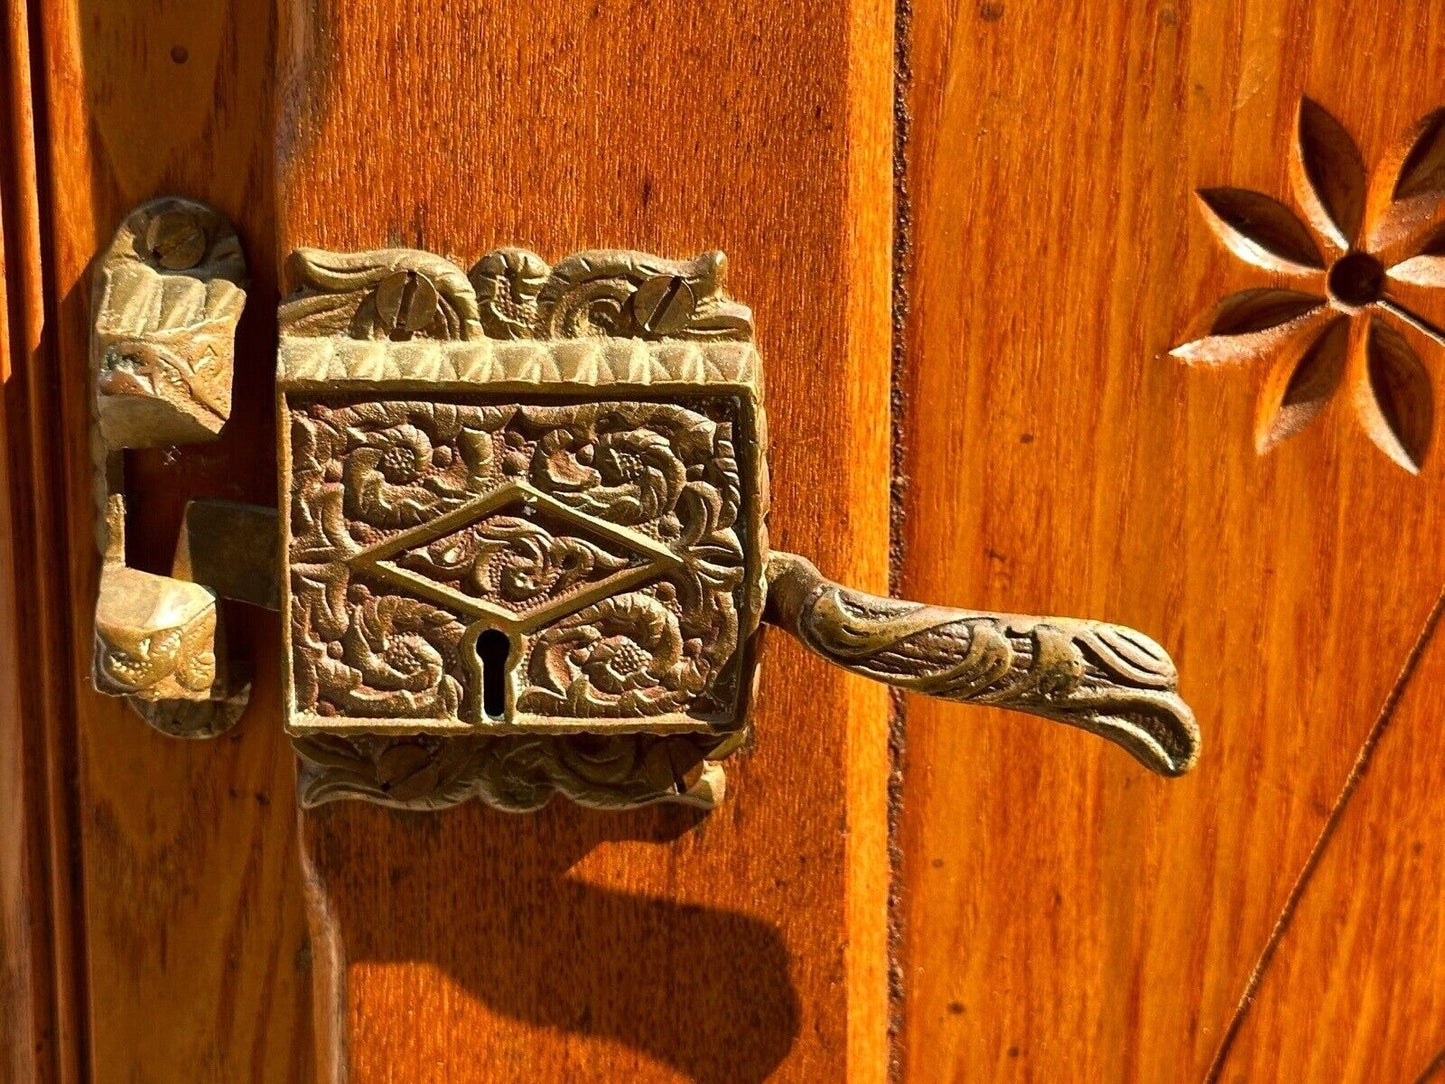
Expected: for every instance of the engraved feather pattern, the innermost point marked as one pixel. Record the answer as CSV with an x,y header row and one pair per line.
x,y
1106,679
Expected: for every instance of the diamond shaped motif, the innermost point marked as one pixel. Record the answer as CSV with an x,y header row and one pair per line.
x,y
515,559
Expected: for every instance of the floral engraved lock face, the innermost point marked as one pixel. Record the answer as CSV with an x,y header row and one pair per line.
x,y
528,500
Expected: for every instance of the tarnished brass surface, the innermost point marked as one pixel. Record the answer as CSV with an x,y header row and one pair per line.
x,y
234,549
569,458
523,545
168,293
1106,679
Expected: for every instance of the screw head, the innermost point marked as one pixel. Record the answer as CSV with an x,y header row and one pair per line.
x,y
406,302
663,304
176,240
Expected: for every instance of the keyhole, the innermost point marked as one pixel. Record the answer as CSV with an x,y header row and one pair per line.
x,y
493,647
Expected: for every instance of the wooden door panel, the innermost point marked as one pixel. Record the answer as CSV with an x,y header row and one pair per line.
x,y
194,922
1067,917
474,945
653,945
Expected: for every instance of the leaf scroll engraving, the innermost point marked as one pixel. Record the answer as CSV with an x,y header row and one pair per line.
x,y
606,293
168,294
1339,322
603,536
517,774
511,293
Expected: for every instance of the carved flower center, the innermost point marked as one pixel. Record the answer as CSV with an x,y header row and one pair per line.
x,y
626,657
1357,279
405,457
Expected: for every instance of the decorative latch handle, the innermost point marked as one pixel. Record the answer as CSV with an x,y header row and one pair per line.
x,y
523,548
1107,679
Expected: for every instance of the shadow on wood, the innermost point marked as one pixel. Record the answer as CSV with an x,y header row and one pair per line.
x,y
493,901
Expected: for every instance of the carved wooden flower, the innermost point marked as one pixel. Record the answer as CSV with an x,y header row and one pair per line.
x,y
1338,318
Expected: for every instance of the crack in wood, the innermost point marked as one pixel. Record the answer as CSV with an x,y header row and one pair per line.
x,y
1432,1068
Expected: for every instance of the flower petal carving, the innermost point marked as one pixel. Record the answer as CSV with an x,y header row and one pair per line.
x,y
1260,230
1407,189
1423,171
1303,380
1393,395
1361,232
1251,324
1427,268
1327,173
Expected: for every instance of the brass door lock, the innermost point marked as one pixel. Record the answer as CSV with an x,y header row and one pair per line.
x,y
523,540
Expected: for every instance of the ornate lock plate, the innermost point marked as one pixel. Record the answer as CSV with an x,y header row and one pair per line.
x,y
525,501
522,542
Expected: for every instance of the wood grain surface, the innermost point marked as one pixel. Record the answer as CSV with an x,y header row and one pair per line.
x,y
1067,916
41,1032
743,945
1352,990
198,961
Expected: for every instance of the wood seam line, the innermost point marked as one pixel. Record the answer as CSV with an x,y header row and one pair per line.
x,y
62,716
897,518
328,965
62,749
1352,782
28,963
51,711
